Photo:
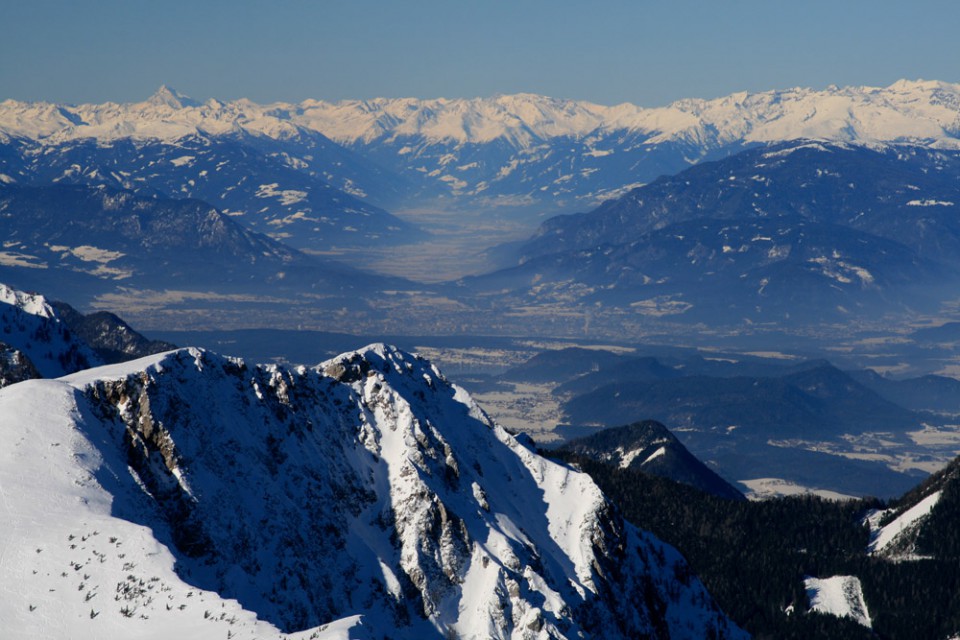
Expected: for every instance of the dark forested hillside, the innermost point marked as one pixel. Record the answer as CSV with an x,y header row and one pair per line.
x,y
753,556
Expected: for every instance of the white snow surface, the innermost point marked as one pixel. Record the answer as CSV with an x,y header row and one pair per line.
x,y
656,454
626,459
30,303
918,111
70,568
841,596
364,497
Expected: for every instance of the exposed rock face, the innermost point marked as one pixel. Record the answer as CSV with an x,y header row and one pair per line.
x,y
15,366
371,486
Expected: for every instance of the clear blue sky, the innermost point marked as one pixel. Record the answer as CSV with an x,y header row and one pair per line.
x,y
646,52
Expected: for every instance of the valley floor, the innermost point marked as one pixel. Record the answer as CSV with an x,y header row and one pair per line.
x,y
463,243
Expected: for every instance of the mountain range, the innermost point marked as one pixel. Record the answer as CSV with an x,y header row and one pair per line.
x,y
763,424
795,232
513,151
88,243
799,206
250,179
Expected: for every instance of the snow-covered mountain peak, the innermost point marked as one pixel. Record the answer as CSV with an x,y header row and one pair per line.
x,y
167,97
366,490
518,119
907,111
920,86
32,303
34,341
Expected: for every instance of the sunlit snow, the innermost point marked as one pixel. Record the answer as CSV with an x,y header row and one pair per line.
x,y
840,596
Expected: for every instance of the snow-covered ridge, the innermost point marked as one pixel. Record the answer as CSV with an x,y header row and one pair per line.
x,y
898,534
926,112
31,303
35,341
367,492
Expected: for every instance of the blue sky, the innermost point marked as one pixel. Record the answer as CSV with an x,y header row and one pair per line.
x,y
640,51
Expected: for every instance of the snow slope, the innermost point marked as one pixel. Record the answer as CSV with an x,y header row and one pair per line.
x,y
839,596
902,530
70,567
192,495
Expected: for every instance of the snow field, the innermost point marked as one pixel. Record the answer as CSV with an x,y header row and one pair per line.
x,y
840,596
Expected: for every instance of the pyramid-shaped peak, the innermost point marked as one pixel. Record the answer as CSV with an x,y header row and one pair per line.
x,y
169,97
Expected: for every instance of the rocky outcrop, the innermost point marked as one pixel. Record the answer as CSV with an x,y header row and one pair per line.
x,y
15,366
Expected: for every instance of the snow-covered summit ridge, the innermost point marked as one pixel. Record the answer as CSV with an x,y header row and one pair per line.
x,y
32,303
366,490
920,111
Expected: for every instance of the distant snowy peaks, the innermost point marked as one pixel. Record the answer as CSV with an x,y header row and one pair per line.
x,y
909,86
921,111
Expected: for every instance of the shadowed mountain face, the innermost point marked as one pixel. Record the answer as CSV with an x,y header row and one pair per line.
x,y
35,342
50,339
761,427
770,425
908,195
649,446
796,232
108,335
116,235
256,180
79,242
926,393
819,402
